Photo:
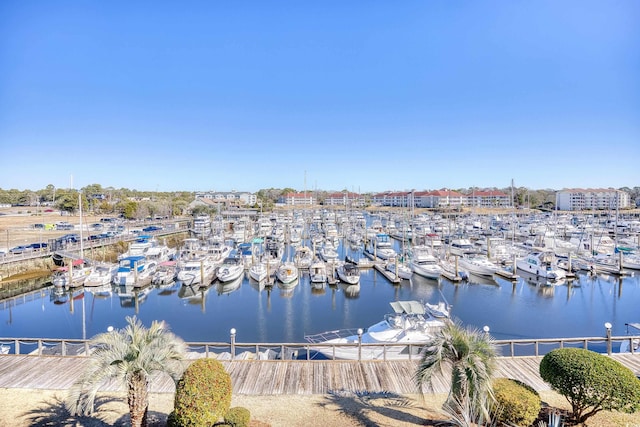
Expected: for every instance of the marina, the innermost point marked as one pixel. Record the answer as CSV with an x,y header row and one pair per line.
x,y
266,290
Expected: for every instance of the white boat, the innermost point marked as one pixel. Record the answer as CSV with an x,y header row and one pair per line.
x,y
258,271
63,278
541,263
478,264
349,273
100,275
134,271
398,336
198,270
287,272
303,257
231,269
165,273
328,253
461,246
318,272
424,263
224,288
398,269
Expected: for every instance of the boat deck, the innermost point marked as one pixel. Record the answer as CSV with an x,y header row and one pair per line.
x,y
284,377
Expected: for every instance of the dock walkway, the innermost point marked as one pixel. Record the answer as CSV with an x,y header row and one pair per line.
x,y
278,377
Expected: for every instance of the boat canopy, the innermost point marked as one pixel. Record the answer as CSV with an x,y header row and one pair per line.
x,y
408,307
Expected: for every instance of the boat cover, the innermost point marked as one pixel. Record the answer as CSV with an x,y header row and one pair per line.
x,y
408,307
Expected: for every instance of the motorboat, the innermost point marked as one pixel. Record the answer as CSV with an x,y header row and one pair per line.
x,y
100,275
259,271
349,273
165,273
72,275
198,270
399,335
287,272
424,263
303,257
461,246
318,272
398,269
541,263
231,269
478,264
134,270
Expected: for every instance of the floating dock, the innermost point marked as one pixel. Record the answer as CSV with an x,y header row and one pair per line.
x,y
506,274
387,274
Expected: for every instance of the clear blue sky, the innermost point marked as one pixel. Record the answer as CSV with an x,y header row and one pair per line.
x,y
362,95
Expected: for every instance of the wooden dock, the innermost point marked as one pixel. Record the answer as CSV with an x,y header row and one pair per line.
x,y
279,377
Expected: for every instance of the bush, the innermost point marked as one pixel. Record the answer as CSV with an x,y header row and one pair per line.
x,y
238,417
516,402
591,382
203,394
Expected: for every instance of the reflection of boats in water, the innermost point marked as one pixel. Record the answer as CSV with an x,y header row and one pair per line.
x,y
287,289
228,287
411,323
132,297
350,291
536,280
481,280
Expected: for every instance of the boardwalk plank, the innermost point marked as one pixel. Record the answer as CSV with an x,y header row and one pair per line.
x,y
269,377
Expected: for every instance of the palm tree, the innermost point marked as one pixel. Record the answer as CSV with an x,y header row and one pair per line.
x,y
470,354
130,355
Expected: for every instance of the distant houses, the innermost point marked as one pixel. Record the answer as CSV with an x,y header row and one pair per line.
x,y
443,199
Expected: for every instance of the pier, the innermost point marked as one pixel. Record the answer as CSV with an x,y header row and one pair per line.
x,y
284,377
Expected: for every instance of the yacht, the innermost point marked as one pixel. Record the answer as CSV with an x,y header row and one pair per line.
x,y
349,273
287,272
424,263
398,336
478,264
318,271
231,269
542,264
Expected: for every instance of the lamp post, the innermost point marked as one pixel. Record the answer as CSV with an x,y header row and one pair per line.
x,y
607,325
486,330
360,331
233,342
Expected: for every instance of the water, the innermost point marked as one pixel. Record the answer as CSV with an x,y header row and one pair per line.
x,y
512,311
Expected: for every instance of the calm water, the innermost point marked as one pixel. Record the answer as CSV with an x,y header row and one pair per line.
x,y
520,310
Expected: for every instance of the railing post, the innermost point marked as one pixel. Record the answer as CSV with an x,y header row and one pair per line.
x,y
511,345
39,347
536,345
233,343
63,346
17,346
608,328
360,331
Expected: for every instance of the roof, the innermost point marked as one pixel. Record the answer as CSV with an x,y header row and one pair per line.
x,y
408,307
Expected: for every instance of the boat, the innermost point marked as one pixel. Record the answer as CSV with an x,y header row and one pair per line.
x,y
224,288
541,263
318,271
303,257
198,270
231,269
423,263
461,247
398,269
259,271
381,247
398,336
478,264
100,275
134,270
63,278
349,273
165,273
287,272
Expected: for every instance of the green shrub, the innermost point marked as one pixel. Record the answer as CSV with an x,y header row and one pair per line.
x,y
203,394
591,382
516,402
238,417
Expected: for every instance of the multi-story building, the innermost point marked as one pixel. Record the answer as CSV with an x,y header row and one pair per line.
x,y
237,198
344,199
577,199
291,199
488,199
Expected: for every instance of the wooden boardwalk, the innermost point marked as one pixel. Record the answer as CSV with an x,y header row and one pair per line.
x,y
278,377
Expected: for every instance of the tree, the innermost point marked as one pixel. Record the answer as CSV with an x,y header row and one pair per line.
x,y
470,355
129,355
591,382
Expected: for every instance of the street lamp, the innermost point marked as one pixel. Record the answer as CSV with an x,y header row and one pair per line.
x,y
607,326
233,342
486,329
360,331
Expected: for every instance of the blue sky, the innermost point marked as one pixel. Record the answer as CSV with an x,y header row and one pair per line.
x,y
358,95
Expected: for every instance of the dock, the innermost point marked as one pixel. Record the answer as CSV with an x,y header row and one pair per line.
x,y
286,377
506,274
392,277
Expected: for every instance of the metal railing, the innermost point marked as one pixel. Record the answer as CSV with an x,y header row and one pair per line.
x,y
318,351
